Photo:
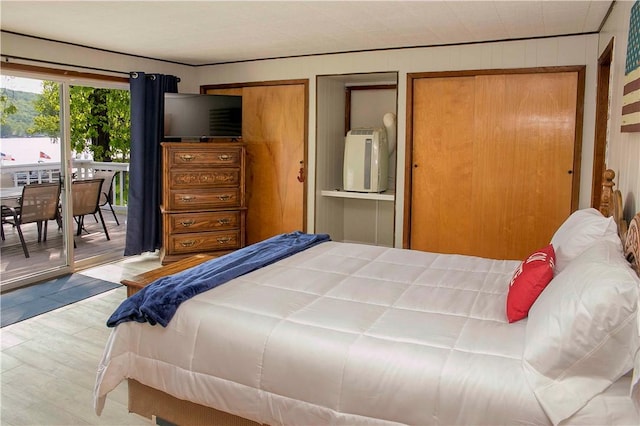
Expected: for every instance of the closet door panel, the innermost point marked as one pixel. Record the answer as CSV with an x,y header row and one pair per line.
x,y
273,126
525,135
273,129
441,203
496,164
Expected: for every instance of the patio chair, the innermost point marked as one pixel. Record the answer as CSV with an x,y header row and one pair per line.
x,y
39,204
86,200
106,195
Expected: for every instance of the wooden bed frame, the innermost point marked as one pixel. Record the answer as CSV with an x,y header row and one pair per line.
x,y
611,205
149,402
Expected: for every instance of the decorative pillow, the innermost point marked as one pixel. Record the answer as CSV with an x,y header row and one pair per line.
x,y
528,281
582,332
579,231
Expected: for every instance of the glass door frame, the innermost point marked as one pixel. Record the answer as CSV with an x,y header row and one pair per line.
x,y
65,79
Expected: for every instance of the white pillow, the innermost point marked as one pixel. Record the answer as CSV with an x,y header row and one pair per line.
x,y
582,332
579,231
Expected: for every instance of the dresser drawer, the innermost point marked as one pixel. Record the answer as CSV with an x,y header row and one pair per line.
x,y
179,178
200,242
180,223
193,157
190,200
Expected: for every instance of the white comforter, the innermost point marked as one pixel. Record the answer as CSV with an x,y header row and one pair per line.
x,y
342,334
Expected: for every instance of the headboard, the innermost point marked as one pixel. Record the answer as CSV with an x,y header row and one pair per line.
x,y
632,243
611,205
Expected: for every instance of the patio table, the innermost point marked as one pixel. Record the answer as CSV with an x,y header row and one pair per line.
x,y
8,199
9,196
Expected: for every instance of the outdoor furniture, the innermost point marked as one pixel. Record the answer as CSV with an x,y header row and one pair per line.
x,y
9,197
106,193
39,204
86,200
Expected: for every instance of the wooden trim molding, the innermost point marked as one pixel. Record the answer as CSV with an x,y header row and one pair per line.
x,y
305,82
602,117
408,161
347,107
577,152
62,73
469,73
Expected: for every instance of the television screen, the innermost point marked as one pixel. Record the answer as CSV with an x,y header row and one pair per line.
x,y
202,116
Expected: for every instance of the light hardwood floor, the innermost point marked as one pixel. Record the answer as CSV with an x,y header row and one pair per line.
x,y
48,363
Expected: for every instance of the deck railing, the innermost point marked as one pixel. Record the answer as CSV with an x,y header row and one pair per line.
x,y
23,174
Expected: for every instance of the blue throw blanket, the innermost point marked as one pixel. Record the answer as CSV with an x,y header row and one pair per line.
x,y
158,302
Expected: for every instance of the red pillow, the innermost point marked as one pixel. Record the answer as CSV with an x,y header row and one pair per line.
x,y
528,281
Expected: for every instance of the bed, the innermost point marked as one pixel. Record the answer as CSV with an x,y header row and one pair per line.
x,y
353,334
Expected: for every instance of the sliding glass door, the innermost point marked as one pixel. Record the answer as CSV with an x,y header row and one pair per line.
x,y
99,140
62,131
34,154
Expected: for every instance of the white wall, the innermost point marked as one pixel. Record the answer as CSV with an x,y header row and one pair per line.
x,y
53,53
623,153
559,51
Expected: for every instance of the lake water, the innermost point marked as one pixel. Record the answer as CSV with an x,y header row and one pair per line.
x,y
27,150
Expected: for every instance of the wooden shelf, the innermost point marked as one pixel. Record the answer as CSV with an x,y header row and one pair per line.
x,y
383,196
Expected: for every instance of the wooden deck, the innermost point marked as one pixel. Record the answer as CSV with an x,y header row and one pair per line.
x,y
48,254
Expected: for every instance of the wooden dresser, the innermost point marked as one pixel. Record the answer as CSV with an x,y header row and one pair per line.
x,y
203,198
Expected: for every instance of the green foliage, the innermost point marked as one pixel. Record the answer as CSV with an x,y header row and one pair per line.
x,y
47,105
17,112
119,123
100,120
7,108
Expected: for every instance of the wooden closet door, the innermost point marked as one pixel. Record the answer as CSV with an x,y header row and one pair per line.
x,y
493,160
441,197
273,129
525,136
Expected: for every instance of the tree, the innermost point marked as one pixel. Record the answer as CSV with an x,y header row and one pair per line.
x,y
17,112
100,120
48,107
7,108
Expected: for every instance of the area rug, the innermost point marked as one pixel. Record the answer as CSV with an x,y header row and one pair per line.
x,y
27,302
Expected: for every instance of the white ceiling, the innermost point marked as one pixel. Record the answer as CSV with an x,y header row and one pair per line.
x,y
207,32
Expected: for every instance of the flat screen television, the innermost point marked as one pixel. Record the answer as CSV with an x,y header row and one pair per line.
x,y
191,116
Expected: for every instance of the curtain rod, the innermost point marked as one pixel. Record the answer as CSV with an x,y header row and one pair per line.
x,y
152,76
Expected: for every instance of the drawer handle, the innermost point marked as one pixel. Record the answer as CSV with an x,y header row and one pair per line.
x,y
187,223
224,197
224,221
187,198
187,157
188,243
224,240
224,157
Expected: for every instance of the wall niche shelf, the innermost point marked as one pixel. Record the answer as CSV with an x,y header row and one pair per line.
x,y
338,193
344,102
